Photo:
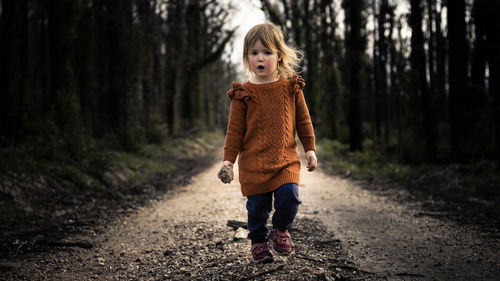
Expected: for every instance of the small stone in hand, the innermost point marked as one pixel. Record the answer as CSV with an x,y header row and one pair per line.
x,y
226,174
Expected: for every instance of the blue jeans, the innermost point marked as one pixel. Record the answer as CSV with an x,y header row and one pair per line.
x,y
259,206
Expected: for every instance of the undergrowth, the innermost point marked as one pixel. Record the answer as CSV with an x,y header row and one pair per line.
x,y
32,173
370,162
375,164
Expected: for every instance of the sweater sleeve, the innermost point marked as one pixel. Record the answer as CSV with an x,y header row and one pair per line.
x,y
304,125
236,126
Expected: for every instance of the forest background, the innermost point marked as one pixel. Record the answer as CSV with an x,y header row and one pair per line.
x,y
421,83
83,78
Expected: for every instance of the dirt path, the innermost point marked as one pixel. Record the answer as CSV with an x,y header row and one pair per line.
x,y
396,240
343,233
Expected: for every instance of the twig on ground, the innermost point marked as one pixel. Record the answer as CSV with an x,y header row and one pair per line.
x,y
410,274
19,248
81,244
236,224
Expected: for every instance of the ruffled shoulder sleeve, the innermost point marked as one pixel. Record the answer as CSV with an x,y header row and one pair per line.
x,y
237,92
297,84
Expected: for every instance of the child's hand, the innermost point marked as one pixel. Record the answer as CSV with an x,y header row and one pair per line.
x,y
312,161
226,172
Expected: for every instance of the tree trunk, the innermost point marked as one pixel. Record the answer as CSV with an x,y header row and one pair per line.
x,y
419,75
478,79
431,58
311,75
493,45
392,92
330,77
355,47
440,84
13,30
382,71
376,73
86,65
63,18
457,65
396,81
23,85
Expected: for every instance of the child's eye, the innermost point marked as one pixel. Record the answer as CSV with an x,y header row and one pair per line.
x,y
253,53
268,53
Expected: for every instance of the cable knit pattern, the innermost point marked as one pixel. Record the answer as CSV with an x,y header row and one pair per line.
x,y
261,130
273,105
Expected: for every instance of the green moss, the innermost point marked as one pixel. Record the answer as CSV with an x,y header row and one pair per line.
x,y
367,163
98,169
11,211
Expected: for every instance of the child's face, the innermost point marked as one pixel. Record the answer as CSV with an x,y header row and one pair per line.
x,y
263,62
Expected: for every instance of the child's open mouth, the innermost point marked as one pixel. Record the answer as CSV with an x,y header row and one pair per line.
x,y
260,67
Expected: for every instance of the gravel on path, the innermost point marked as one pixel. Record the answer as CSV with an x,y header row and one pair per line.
x,y
395,238
343,232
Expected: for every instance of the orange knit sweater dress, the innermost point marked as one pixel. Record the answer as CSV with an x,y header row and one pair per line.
x,y
262,124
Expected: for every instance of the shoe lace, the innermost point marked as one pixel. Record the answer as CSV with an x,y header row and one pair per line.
x,y
283,238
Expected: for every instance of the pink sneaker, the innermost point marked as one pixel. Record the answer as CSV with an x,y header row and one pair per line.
x,y
280,242
260,253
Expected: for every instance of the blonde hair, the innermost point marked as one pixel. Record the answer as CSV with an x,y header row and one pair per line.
x,y
272,37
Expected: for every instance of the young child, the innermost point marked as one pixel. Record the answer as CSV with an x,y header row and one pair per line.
x,y
266,112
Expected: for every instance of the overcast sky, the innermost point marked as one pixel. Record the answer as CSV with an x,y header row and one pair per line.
x,y
247,15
